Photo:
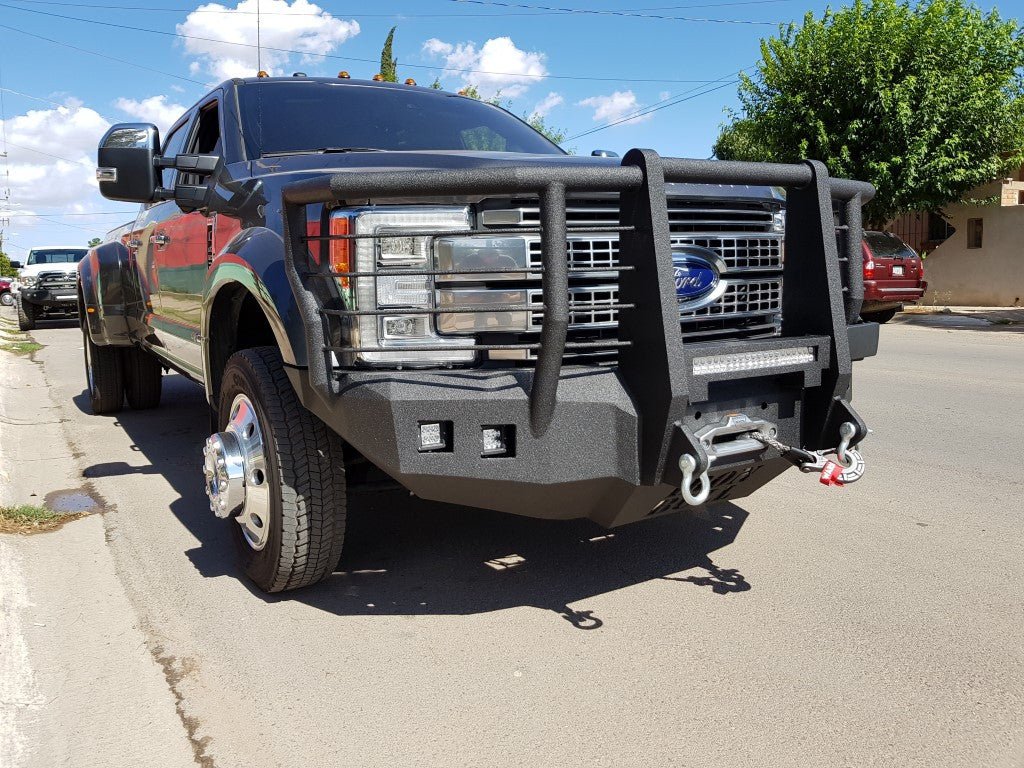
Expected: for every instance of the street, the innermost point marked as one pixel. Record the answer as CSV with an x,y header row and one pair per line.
x,y
877,624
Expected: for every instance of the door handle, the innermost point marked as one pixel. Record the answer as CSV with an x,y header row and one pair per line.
x,y
159,240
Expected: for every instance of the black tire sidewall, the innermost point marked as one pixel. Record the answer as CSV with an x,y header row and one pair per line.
x,y
262,565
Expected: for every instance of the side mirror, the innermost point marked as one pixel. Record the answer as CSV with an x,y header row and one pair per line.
x,y
127,163
603,153
17,265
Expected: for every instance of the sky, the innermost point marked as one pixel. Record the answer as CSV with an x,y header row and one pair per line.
x,y
71,68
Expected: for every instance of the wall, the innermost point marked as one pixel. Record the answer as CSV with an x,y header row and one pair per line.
x,y
990,276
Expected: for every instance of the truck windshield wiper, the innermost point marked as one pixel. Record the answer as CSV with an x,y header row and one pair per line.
x,y
323,151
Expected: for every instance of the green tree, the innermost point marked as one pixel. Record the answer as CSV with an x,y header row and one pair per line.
x,y
6,270
925,101
95,241
389,65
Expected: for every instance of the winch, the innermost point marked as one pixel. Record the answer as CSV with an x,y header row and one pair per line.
x,y
738,434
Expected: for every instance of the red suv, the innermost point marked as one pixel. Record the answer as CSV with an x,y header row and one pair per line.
x,y
893,276
6,297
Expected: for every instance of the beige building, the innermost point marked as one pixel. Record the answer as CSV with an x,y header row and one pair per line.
x,y
976,254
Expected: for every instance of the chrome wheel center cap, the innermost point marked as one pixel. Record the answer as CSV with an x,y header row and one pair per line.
x,y
224,469
235,467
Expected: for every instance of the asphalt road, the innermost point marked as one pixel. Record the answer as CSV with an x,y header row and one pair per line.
x,y
879,624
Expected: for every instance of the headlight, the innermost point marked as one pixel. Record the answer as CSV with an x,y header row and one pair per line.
x,y
401,247
28,281
779,221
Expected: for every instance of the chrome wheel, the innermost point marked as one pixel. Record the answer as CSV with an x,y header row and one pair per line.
x,y
7,299
235,467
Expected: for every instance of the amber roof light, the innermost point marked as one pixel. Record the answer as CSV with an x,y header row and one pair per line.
x,y
344,75
262,73
378,78
410,81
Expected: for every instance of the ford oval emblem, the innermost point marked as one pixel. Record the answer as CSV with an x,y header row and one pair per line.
x,y
697,274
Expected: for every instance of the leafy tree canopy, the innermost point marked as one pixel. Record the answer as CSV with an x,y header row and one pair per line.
x,y
925,101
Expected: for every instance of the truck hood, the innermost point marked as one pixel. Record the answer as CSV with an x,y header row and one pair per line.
x,y
34,269
302,166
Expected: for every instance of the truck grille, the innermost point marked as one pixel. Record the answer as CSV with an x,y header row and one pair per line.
x,y
63,282
740,232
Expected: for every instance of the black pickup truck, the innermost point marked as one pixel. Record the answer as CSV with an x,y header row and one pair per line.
x,y
372,277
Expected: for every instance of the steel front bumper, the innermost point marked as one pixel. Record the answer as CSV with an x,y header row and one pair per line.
x,y
585,465
50,299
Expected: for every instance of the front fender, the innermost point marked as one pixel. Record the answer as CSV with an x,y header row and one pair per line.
x,y
104,302
254,259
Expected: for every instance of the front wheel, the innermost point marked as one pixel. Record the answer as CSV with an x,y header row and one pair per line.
x,y
27,315
7,299
279,471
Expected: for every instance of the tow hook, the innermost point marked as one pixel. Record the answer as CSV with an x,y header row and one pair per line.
x,y
847,467
744,435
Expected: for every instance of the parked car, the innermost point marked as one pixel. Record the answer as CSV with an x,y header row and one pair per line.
x,y
6,294
893,276
47,284
365,274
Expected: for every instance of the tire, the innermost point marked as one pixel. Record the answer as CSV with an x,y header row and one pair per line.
x,y
7,299
143,378
104,376
27,315
879,317
305,471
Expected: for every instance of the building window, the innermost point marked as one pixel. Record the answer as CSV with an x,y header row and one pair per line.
x,y
974,233
938,229
1020,197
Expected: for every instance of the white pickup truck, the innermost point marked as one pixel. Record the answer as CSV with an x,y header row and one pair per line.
x,y
47,282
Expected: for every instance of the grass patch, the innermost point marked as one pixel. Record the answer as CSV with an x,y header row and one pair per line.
x,y
31,519
21,347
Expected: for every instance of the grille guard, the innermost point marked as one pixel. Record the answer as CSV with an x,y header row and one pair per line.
x,y
824,289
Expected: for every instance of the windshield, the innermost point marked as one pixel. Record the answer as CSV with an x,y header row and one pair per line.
x,y
886,245
57,256
308,115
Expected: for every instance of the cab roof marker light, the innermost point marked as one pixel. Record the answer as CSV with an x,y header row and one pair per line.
x,y
753,361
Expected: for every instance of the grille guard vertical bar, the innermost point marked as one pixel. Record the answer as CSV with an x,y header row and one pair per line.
x,y
555,288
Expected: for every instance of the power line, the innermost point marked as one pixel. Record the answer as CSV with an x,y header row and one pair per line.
x,y
343,58
97,53
396,14
55,157
659,107
624,14
48,101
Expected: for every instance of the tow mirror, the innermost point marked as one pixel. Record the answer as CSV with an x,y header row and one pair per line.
x,y
127,163
192,196
17,265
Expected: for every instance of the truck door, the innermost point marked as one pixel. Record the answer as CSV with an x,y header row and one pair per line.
x,y
180,244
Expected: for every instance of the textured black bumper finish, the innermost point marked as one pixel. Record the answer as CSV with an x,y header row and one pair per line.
x,y
585,465
863,340
47,298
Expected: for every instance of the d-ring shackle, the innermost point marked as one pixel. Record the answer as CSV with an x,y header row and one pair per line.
x,y
688,465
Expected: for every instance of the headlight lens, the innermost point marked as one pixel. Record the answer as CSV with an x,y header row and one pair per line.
x,y
779,221
400,247
28,281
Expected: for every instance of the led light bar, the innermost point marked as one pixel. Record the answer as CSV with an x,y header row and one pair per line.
x,y
753,361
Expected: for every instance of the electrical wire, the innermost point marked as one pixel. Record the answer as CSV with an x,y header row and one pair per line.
x,y
654,108
621,14
55,157
396,14
343,58
13,215
97,53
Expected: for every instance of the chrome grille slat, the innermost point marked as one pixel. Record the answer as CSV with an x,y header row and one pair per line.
x,y
740,232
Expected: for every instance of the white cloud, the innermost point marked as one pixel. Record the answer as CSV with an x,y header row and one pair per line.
x,y
155,109
301,26
498,65
52,169
545,105
609,109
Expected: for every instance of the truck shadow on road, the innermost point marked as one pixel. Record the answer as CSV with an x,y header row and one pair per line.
x,y
407,556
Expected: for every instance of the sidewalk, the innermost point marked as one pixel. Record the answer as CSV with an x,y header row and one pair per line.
x,y
79,684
